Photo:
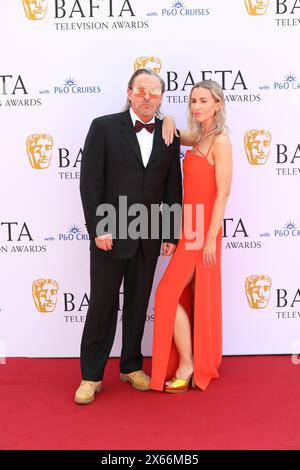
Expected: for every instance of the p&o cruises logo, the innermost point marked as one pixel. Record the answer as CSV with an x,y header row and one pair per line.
x,y
289,230
74,233
288,83
70,86
180,9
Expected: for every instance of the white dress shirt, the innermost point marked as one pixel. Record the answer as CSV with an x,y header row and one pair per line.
x,y
144,137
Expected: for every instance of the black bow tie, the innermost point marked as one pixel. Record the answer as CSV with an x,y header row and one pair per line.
x,y
141,125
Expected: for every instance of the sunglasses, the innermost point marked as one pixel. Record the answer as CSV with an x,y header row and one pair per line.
x,y
141,91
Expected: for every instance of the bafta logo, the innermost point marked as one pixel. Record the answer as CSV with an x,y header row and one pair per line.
x,y
258,289
44,293
256,7
39,150
35,9
152,63
257,145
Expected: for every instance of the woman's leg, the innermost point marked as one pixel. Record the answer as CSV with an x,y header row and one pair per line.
x,y
183,339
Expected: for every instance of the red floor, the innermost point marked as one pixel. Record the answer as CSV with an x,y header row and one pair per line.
x,y
253,405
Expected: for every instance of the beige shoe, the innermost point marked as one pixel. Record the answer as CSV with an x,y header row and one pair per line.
x,y
85,393
138,380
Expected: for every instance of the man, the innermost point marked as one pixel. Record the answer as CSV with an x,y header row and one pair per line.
x,y
121,157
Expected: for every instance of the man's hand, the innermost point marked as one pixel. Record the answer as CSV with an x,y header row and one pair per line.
x,y
167,249
104,242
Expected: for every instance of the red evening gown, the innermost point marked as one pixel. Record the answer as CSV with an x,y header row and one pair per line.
x,y
206,311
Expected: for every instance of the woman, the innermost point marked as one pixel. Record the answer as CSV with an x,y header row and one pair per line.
x,y
187,343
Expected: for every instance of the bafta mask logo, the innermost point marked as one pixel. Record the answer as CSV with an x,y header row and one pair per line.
x,y
44,293
256,7
258,289
35,9
39,150
257,145
152,63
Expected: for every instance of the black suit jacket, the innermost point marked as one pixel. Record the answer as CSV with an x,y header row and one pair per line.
x,y
112,166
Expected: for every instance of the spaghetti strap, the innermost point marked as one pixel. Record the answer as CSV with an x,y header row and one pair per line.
x,y
208,148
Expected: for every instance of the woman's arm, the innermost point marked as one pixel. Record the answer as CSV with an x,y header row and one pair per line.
x,y
222,154
169,131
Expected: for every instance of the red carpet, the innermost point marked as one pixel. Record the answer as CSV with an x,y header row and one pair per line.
x,y
253,405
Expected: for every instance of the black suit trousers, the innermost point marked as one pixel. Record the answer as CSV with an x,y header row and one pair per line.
x,y
100,327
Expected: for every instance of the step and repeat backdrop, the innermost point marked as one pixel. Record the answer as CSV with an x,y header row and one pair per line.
x,y
65,62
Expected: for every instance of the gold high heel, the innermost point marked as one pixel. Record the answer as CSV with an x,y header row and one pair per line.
x,y
179,385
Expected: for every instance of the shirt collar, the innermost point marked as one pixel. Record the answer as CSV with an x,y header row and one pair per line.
x,y
134,117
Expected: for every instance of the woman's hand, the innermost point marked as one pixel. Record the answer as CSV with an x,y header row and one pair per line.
x,y
209,252
169,129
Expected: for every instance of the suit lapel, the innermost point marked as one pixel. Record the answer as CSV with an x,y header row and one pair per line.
x,y
129,134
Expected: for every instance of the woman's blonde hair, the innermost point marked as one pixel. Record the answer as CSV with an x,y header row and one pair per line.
x,y
218,125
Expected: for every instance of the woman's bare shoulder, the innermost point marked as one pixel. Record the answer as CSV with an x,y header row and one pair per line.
x,y
222,139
